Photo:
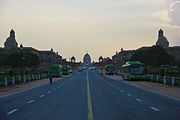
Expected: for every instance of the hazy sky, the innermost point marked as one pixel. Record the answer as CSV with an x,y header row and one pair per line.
x,y
100,27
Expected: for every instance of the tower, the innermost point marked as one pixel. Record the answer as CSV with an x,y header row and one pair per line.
x,y
11,41
162,40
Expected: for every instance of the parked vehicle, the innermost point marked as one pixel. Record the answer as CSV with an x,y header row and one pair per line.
x,y
65,69
109,69
133,70
56,70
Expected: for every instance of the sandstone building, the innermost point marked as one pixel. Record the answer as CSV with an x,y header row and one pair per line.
x,y
46,58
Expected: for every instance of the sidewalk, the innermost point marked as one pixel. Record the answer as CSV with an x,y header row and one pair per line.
x,y
24,86
167,90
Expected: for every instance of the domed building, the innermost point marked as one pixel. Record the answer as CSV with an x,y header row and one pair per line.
x,y
11,41
162,40
87,59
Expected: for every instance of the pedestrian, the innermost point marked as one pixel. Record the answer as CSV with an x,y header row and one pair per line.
x,y
50,78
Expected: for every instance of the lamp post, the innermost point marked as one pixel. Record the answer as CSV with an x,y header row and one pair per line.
x,y
22,58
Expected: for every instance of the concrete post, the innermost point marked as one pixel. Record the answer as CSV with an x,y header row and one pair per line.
x,y
36,77
19,78
13,81
39,76
157,78
151,77
24,78
29,78
173,81
164,80
32,77
5,81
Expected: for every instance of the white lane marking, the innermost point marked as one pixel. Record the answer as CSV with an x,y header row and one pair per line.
x,y
48,92
41,96
30,101
58,86
12,111
129,94
54,88
155,109
117,88
122,90
139,100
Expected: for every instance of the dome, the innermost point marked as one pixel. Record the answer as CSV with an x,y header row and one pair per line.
x,y
162,40
11,40
12,33
87,59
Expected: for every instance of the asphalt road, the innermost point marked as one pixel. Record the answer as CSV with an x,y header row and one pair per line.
x,y
88,96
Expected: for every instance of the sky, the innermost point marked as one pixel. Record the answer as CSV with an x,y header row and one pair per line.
x,y
99,27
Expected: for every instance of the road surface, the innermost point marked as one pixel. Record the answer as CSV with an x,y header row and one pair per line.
x,y
87,95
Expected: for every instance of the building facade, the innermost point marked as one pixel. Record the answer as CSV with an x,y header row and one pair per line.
x,y
87,60
121,58
125,55
163,42
11,41
46,58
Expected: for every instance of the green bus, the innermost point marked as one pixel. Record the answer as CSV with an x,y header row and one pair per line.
x,y
109,69
65,69
133,70
56,70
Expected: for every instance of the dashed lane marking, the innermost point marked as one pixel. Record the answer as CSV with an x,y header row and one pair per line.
x,y
12,111
30,101
41,96
139,100
122,91
48,92
155,109
54,88
129,95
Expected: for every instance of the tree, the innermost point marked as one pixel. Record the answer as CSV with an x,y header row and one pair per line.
x,y
154,56
21,59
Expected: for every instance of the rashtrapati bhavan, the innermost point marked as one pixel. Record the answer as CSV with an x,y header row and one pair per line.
x,y
45,57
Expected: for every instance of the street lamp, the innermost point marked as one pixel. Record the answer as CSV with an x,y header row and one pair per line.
x,y
22,58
